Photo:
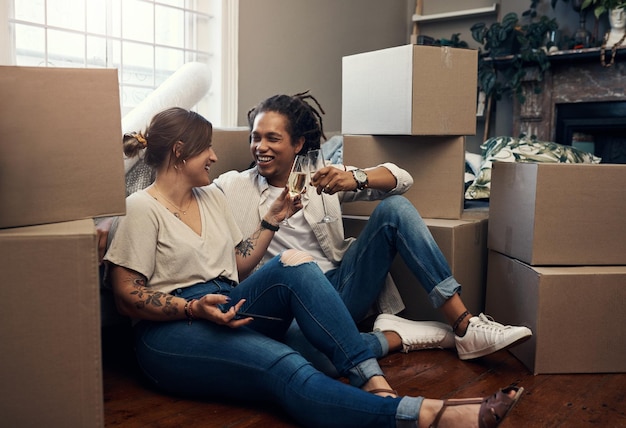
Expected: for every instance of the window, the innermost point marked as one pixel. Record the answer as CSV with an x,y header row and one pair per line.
x,y
146,40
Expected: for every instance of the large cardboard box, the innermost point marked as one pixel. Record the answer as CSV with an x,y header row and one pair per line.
x,y
50,364
559,214
437,165
410,90
576,314
463,244
232,147
61,151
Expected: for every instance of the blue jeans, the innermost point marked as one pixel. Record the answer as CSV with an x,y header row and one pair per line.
x,y
203,359
395,227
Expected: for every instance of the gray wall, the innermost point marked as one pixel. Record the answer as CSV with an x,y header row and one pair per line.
x,y
288,46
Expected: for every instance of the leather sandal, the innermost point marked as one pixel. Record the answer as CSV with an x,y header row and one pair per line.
x,y
493,409
387,391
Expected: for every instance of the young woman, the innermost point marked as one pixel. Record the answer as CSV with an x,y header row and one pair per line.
x,y
175,263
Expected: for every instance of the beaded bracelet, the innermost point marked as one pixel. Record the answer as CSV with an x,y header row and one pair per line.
x,y
189,310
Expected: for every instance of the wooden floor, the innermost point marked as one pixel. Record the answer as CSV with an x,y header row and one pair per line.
x,y
582,400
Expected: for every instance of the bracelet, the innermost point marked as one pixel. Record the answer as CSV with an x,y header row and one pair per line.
x,y
189,310
458,321
269,226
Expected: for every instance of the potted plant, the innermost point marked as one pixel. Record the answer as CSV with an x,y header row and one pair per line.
x,y
509,49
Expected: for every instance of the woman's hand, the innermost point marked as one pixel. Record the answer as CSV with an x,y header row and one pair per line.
x,y
207,308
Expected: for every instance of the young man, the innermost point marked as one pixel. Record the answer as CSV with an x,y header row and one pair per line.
x,y
283,126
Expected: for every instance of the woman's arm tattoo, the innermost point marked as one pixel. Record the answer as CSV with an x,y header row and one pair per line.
x,y
158,299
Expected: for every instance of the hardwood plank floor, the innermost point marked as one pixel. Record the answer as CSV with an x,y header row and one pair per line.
x,y
578,400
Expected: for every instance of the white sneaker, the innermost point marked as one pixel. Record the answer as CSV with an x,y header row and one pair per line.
x,y
485,336
417,335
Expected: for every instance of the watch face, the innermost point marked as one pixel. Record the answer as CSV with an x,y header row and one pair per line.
x,y
360,176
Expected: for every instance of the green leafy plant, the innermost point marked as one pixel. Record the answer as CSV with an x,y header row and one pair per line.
x,y
509,49
602,6
599,7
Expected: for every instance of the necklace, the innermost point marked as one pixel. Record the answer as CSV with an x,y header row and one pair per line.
x,y
613,50
176,214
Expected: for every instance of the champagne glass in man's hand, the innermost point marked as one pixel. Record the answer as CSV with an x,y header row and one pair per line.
x,y
316,162
297,181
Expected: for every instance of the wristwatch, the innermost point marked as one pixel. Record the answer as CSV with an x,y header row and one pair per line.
x,y
360,177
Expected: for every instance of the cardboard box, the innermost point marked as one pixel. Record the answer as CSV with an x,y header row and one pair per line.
x,y
61,154
576,314
50,365
410,90
232,146
559,214
463,244
437,165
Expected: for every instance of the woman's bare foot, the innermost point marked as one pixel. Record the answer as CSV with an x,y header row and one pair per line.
x,y
467,412
378,385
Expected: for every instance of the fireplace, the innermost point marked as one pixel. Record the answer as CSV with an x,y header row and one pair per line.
x,y
580,102
597,127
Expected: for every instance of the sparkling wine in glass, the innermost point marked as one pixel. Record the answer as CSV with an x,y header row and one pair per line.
x,y
316,162
297,181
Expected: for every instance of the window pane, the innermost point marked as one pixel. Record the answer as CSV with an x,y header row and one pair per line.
x,y
132,96
137,21
114,55
96,52
177,3
167,61
96,16
66,49
170,27
68,14
138,63
30,45
116,18
32,11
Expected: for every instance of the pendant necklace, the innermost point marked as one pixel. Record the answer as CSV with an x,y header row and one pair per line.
x,y
176,214
613,50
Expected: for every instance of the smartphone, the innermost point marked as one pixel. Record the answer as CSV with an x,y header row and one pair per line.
x,y
241,314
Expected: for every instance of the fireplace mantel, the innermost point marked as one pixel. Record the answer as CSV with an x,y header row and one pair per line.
x,y
573,77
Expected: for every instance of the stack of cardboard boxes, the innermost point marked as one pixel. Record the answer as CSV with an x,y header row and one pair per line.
x,y
557,263
413,106
61,165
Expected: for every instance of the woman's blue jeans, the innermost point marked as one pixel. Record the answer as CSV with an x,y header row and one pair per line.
x,y
203,359
395,227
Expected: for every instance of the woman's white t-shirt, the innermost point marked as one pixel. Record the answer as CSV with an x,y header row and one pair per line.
x,y
153,242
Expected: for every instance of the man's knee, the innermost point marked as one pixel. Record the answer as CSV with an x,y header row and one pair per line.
x,y
293,257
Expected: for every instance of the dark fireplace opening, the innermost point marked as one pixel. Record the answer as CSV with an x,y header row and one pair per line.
x,y
597,127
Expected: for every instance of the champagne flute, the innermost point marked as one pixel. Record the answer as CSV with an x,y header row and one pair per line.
x,y
316,162
297,181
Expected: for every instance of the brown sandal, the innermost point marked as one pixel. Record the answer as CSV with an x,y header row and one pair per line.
x,y
388,391
493,409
